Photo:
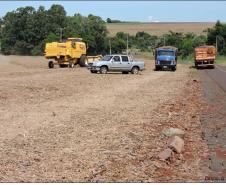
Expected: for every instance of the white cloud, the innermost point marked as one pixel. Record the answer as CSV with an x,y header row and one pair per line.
x,y
150,18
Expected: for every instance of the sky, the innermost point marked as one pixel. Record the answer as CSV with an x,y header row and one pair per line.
x,y
142,11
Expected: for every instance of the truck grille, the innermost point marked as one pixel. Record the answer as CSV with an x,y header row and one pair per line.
x,y
164,62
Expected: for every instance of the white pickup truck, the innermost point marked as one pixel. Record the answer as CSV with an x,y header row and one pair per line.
x,y
119,63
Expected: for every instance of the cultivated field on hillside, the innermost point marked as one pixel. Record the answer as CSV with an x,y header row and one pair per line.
x,y
158,28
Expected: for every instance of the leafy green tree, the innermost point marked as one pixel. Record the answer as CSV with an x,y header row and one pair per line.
x,y
95,34
145,41
92,29
25,29
56,19
217,32
118,45
174,39
108,20
17,31
186,47
199,40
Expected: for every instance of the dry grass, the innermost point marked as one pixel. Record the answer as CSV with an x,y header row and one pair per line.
x,y
158,28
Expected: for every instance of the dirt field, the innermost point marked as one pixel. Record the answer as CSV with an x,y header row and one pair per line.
x,y
158,28
68,125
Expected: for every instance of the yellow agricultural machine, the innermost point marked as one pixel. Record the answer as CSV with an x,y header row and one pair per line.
x,y
68,53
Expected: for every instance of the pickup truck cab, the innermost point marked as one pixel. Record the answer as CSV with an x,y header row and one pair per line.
x,y
166,57
116,63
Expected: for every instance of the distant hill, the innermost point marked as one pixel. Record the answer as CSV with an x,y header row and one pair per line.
x,y
158,28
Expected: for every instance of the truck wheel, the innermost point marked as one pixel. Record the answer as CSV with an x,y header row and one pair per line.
x,y
83,61
51,65
135,70
157,68
196,65
173,68
103,70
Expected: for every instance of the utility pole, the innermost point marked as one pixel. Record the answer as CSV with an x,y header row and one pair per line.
x,y
164,39
110,45
1,28
61,34
127,45
216,45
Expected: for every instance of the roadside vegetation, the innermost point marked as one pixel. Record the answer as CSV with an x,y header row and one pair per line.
x,y
221,60
26,30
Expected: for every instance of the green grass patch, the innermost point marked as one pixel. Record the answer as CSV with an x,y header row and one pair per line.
x,y
186,60
221,60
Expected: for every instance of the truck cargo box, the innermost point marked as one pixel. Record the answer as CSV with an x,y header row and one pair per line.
x,y
205,56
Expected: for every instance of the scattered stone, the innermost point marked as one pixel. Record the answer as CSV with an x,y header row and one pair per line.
x,y
165,154
149,180
37,159
173,132
25,163
195,80
156,164
176,144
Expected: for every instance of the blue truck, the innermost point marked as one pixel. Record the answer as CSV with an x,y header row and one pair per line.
x,y
166,58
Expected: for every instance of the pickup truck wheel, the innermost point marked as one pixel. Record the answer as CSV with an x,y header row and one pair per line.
x,y
51,65
135,70
92,71
103,70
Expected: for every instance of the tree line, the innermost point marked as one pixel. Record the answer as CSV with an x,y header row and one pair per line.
x,y
25,31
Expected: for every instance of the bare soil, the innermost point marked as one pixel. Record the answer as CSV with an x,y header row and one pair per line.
x,y
68,125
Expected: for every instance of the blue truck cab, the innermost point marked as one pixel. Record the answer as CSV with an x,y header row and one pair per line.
x,y
166,57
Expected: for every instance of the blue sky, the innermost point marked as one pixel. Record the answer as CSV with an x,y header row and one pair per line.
x,y
144,11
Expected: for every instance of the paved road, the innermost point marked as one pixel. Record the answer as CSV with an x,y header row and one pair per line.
x,y
219,76
214,120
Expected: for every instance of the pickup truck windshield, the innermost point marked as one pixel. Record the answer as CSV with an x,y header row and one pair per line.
x,y
165,53
107,58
